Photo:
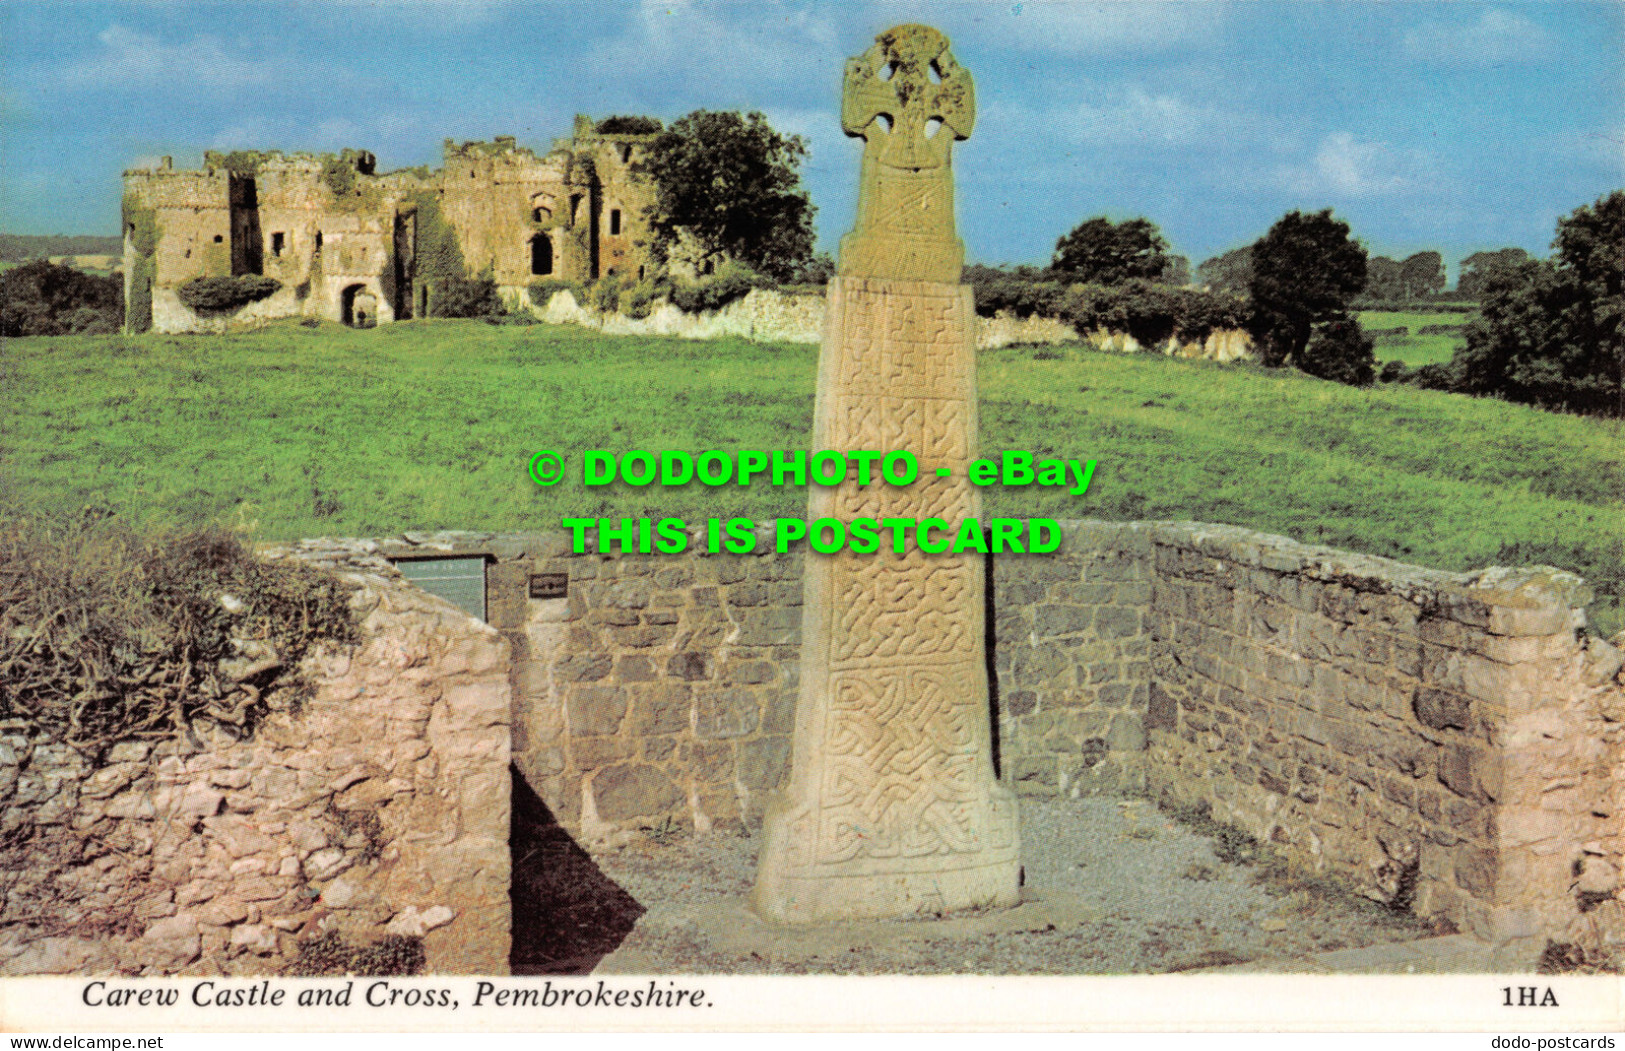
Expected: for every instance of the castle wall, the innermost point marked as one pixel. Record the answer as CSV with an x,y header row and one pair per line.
x,y
192,211
491,196
573,214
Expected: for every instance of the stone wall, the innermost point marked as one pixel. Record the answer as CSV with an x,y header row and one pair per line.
x,y
798,317
658,692
1072,655
379,807
1448,740
1451,740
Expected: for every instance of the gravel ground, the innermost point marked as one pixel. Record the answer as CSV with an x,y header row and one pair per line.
x,y
1111,887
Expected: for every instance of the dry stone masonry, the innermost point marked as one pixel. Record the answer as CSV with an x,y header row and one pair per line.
x,y
379,807
1450,740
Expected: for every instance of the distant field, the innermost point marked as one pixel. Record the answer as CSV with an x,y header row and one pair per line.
x,y
306,432
1414,349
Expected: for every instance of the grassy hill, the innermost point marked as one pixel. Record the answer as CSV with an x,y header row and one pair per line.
x,y
1414,348
306,432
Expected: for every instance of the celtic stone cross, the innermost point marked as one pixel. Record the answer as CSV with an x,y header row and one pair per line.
x,y
908,100
892,808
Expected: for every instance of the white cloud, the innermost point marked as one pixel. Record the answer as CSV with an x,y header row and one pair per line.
x,y
130,59
1072,28
1115,117
1137,115
710,44
1498,36
1345,166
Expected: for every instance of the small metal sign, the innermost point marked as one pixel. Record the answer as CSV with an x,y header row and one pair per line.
x,y
549,585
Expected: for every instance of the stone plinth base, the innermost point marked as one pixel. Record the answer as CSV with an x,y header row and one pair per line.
x,y
785,893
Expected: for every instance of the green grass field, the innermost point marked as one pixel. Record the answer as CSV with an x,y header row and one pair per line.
x,y
306,432
1414,349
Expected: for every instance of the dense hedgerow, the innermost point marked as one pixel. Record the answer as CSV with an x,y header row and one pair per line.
x,y
1149,311
223,295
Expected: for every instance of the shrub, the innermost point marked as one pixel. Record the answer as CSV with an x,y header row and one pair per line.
x,y
1023,292
106,634
629,125
1339,351
734,281
466,297
543,291
225,295
43,299
1438,376
1394,372
1151,313
606,294
816,271
639,301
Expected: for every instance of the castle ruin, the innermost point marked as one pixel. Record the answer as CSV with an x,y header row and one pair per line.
x,y
350,244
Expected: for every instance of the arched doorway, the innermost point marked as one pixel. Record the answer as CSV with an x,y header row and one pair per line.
x,y
360,307
541,255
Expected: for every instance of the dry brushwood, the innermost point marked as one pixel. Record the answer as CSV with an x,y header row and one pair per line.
x,y
107,635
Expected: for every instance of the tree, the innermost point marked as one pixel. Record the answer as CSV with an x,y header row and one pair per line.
x,y
1418,277
732,184
1478,268
1421,275
1176,272
1305,270
1339,350
1552,333
44,299
1230,272
1101,252
1383,279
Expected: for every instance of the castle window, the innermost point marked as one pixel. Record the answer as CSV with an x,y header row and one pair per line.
x,y
710,267
614,221
541,255
218,239
277,242
318,240
626,153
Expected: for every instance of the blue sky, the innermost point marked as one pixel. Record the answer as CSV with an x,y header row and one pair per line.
x,y
1457,126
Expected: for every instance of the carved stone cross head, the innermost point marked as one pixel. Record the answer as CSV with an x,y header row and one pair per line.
x,y
908,99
